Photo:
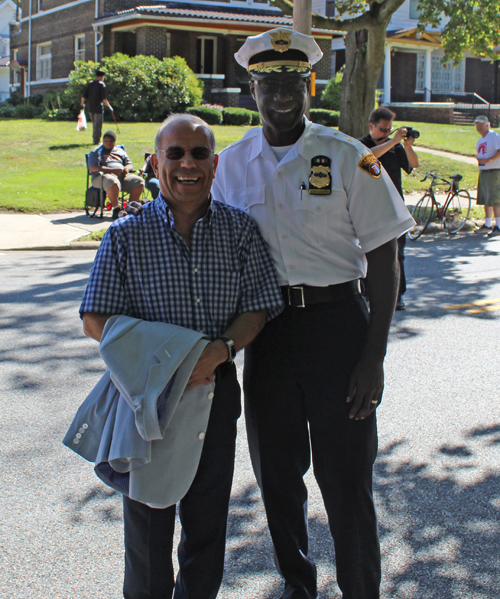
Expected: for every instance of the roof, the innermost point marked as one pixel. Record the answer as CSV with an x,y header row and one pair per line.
x,y
5,62
199,12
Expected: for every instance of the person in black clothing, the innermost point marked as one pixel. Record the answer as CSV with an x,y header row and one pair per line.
x,y
394,156
96,93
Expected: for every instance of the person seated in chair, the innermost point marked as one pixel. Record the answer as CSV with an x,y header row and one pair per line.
x,y
151,183
117,168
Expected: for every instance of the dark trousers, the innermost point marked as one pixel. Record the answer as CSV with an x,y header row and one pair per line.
x,y
97,119
401,260
296,380
149,572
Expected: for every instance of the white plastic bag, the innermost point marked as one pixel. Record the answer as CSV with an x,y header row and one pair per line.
x,y
82,121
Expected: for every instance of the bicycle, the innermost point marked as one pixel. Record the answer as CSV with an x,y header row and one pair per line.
x,y
453,213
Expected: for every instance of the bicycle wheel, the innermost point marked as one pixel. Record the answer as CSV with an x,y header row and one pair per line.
x,y
422,215
457,211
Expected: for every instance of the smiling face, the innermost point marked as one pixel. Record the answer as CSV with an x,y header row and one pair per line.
x,y
282,101
185,165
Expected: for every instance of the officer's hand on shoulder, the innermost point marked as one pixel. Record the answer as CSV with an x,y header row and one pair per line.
x,y
133,208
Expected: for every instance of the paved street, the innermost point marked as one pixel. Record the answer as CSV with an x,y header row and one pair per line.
x,y
437,480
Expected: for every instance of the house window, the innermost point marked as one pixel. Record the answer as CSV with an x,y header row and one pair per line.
x,y
40,5
330,10
420,83
80,47
17,74
206,57
168,52
446,78
44,61
414,10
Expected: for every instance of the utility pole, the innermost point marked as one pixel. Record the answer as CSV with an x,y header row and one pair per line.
x,y
302,16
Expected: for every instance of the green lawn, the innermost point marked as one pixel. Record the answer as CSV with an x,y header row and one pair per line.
x,y
43,163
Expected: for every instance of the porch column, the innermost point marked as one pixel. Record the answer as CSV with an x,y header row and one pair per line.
x,y
387,74
428,74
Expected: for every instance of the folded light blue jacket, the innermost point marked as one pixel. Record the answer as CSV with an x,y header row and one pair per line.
x,y
140,425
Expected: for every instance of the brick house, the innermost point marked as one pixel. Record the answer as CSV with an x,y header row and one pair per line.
x,y
205,33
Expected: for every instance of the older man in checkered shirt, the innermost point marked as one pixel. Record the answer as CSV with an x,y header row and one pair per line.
x,y
200,264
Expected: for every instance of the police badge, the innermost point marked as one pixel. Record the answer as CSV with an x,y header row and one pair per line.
x,y
370,165
280,40
320,179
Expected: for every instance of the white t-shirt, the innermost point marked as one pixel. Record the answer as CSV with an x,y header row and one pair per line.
x,y
316,240
486,147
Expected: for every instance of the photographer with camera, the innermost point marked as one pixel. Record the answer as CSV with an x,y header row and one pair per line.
x,y
393,156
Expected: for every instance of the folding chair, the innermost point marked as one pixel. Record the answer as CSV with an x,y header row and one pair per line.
x,y
95,197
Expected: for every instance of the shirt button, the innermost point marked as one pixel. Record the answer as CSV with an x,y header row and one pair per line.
x,y
201,436
195,270
280,205
78,436
82,430
210,395
85,425
202,332
318,207
291,267
76,441
284,236
245,203
198,300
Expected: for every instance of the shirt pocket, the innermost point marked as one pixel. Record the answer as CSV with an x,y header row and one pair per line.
x,y
248,199
318,214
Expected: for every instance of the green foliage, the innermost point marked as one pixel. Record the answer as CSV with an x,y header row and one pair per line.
x,y
256,122
59,114
330,98
141,88
329,118
26,111
7,110
468,26
236,116
212,116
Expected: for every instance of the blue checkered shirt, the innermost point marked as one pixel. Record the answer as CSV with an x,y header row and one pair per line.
x,y
144,269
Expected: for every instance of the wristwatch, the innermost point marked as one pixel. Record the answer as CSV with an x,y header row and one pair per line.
x,y
230,348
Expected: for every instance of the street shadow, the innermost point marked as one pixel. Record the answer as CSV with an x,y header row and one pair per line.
x,y
440,537
436,267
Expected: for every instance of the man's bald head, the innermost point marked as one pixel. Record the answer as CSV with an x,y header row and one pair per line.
x,y
175,119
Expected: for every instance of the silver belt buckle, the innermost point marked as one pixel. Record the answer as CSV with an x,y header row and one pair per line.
x,y
303,303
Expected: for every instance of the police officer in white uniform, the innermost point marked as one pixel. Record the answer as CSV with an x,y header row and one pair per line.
x,y
314,376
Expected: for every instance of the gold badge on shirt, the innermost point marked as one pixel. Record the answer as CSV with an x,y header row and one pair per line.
x,y
371,165
320,179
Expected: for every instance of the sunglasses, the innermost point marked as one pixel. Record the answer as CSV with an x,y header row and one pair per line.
x,y
384,129
177,153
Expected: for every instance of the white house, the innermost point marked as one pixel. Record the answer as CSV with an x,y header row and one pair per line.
x,y
7,16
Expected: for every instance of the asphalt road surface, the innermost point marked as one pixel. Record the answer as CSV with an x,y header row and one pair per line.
x,y
437,478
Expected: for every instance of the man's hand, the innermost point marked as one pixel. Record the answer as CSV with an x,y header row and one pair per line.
x,y
400,135
215,353
134,208
128,168
365,389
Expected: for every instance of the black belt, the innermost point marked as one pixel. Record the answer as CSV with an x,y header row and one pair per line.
x,y
300,296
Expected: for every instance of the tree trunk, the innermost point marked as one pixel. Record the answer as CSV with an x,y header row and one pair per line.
x,y
364,61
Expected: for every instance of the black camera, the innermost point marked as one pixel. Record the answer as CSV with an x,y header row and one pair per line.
x,y
412,133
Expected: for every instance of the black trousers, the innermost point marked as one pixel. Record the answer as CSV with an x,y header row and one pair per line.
x,y
149,572
401,260
296,381
97,119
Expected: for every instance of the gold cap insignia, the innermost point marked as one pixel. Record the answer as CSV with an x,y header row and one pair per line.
x,y
320,176
371,165
280,40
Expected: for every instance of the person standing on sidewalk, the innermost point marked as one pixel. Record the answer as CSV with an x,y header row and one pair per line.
x,y
313,377
488,187
393,156
96,93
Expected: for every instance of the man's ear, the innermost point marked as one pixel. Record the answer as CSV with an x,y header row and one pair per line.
x,y
216,162
252,88
154,163
308,85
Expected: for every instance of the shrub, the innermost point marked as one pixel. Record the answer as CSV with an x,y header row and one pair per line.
x,y
330,98
59,114
236,116
26,111
330,118
212,116
141,88
256,122
7,110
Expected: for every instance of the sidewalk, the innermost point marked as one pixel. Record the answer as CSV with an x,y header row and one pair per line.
x,y
48,231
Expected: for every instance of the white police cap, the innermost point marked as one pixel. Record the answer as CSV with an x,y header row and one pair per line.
x,y
279,51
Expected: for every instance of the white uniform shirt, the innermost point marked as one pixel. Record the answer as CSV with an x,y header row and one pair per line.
x,y
486,147
316,240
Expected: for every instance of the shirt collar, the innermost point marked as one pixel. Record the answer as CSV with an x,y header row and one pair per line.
x,y
165,213
260,146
